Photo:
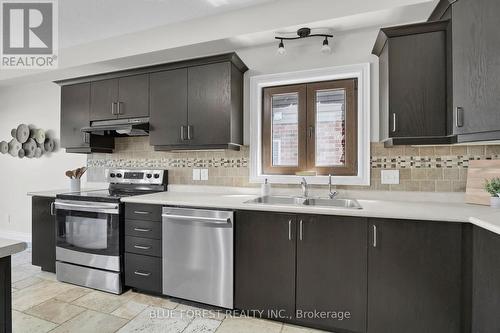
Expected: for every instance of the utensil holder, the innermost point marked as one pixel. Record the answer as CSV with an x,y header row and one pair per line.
x,y
75,185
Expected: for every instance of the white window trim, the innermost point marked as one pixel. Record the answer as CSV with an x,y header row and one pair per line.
x,y
257,83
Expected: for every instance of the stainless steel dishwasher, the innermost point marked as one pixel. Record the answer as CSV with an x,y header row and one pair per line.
x,y
198,255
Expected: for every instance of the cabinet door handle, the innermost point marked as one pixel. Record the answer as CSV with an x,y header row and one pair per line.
x,y
142,230
142,273
142,247
374,236
394,123
119,111
190,130
183,138
289,229
52,209
140,212
301,230
459,116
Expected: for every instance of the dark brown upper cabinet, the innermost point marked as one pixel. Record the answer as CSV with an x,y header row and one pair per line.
x,y
474,45
75,114
125,97
414,277
168,108
476,69
192,104
197,107
413,83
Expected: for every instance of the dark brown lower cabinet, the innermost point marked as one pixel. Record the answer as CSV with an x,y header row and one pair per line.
x,y
332,256
43,226
143,247
310,270
143,272
414,277
5,295
485,281
265,264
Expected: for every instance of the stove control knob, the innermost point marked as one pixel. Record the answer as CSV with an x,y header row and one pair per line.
x,y
157,176
119,175
149,175
112,175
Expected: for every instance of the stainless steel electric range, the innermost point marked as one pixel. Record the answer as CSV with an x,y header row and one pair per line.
x,y
90,229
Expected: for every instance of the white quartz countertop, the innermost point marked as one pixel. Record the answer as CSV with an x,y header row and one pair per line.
x,y
9,247
53,193
482,216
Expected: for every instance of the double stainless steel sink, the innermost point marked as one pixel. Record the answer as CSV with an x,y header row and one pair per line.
x,y
301,201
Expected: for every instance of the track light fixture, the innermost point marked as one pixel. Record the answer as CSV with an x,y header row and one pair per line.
x,y
304,33
281,48
326,48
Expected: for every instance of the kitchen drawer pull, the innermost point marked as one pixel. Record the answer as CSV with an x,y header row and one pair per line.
x,y
140,212
142,230
394,122
301,230
142,273
52,209
289,229
183,138
374,236
141,247
459,116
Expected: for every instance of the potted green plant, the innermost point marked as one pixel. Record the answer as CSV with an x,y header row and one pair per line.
x,y
492,186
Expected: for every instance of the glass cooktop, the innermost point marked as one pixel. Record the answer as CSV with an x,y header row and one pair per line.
x,y
99,195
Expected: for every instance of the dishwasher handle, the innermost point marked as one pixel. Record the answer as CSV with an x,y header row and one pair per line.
x,y
214,220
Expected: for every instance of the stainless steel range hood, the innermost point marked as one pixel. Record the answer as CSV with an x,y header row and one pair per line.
x,y
119,127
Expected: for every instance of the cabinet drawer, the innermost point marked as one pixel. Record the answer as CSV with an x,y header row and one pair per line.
x,y
143,272
143,212
144,229
146,246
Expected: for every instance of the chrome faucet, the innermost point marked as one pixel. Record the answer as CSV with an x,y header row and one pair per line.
x,y
305,188
331,194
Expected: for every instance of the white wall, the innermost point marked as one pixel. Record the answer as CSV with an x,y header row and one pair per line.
x,y
37,105
347,49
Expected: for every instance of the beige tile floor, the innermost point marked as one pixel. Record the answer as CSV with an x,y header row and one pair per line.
x,y
42,304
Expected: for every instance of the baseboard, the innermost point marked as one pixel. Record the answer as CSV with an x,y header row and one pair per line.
x,y
16,235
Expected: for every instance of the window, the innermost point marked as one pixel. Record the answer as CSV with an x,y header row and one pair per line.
x,y
297,100
310,127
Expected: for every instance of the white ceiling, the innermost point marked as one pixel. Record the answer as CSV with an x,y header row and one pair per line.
x,y
84,21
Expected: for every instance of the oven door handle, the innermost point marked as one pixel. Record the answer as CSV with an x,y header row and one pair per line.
x,y
106,209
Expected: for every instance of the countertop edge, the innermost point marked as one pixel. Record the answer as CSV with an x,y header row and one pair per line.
x,y
11,249
479,221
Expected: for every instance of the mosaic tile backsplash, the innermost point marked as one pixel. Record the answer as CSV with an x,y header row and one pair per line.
x,y
427,169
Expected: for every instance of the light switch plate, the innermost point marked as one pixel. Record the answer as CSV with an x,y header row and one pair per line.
x,y
204,174
389,177
196,174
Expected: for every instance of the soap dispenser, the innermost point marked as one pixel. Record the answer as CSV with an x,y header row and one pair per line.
x,y
265,189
